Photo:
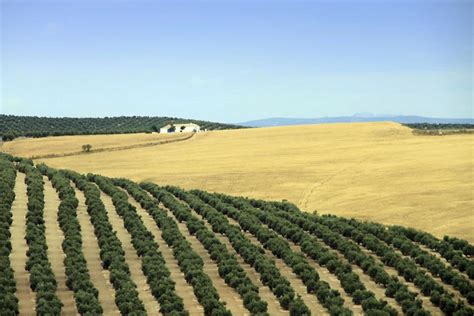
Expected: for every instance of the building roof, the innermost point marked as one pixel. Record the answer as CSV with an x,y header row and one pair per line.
x,y
181,124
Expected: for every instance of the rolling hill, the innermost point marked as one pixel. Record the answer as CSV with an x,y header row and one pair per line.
x,y
372,171
76,244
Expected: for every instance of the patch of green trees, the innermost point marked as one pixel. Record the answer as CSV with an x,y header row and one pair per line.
x,y
111,251
8,300
12,126
330,228
42,279
229,269
459,244
252,254
329,298
153,264
438,126
421,257
333,242
252,220
457,252
77,274
190,263
350,281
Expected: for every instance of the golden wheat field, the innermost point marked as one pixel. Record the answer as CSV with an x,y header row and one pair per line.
x,y
374,171
30,147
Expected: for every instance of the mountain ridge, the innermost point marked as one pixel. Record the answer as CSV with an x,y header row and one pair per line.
x,y
404,119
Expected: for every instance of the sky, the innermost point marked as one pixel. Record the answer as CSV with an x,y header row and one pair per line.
x,y
233,61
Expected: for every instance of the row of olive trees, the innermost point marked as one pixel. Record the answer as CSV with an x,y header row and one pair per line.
x,y
111,251
456,251
312,248
252,254
329,298
229,268
153,264
433,264
42,279
409,266
190,263
77,274
8,301
280,246
337,232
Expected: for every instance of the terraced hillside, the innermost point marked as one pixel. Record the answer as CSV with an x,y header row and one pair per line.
x,y
87,244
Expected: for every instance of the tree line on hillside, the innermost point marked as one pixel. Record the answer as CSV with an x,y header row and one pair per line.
x,y
228,267
77,274
331,228
325,257
111,251
12,126
440,129
42,279
439,126
276,236
440,269
8,300
153,264
253,255
189,262
448,274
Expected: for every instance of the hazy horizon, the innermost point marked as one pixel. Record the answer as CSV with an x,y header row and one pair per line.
x,y
355,115
236,61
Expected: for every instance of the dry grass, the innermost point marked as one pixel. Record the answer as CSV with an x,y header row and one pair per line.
x,y
376,171
29,147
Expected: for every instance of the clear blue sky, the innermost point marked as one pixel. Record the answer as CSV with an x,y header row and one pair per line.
x,y
233,61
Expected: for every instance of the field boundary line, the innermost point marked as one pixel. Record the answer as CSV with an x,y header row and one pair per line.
x,y
118,148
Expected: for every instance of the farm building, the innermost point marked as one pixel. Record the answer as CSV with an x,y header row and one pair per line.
x,y
180,128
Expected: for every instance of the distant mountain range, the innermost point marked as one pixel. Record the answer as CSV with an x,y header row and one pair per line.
x,y
362,117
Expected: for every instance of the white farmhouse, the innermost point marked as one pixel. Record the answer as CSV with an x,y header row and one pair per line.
x,y
180,128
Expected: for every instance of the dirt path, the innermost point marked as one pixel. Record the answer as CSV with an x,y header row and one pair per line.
x,y
99,276
133,260
309,299
266,294
54,238
227,294
26,297
183,289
